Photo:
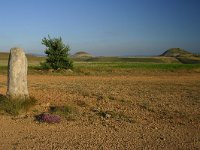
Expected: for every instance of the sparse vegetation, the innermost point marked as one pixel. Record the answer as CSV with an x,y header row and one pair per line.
x,y
67,111
81,103
16,106
146,105
118,116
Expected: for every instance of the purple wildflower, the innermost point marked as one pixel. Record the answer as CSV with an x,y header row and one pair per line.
x,y
49,118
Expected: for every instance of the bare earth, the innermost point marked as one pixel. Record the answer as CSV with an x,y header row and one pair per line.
x,y
148,112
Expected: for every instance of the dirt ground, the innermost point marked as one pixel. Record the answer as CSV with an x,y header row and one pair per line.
x,y
113,112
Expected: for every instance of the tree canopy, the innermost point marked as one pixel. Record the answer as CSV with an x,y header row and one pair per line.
x,y
57,54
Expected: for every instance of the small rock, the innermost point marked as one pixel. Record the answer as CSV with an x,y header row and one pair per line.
x,y
96,109
108,115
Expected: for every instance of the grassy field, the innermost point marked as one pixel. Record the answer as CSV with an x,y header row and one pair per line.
x,y
111,65
115,68
131,67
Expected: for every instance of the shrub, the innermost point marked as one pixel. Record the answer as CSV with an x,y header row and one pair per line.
x,y
16,106
57,54
45,65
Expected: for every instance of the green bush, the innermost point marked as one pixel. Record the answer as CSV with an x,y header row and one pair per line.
x,y
57,54
45,65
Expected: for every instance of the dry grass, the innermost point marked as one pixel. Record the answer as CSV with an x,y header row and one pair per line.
x,y
16,106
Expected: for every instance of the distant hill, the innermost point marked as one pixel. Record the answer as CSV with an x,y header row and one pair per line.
x,y
81,54
176,52
182,56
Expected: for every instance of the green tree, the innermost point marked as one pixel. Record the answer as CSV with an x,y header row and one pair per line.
x,y
57,54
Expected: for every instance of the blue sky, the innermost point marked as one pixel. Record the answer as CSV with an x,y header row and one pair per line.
x,y
102,27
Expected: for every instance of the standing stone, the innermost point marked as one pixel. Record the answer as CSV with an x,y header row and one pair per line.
x,y
17,74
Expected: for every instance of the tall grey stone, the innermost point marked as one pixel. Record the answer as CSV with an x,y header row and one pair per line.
x,y
17,74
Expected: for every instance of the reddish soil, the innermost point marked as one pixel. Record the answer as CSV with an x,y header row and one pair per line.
x,y
134,112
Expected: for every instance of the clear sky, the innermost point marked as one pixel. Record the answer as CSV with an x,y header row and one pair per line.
x,y
102,27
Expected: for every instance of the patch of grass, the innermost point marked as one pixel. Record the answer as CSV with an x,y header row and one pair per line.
x,y
104,114
68,111
123,68
16,106
35,110
82,103
120,116
122,100
99,97
146,105
173,114
111,97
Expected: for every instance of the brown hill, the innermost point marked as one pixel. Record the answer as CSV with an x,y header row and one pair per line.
x,y
176,52
82,54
